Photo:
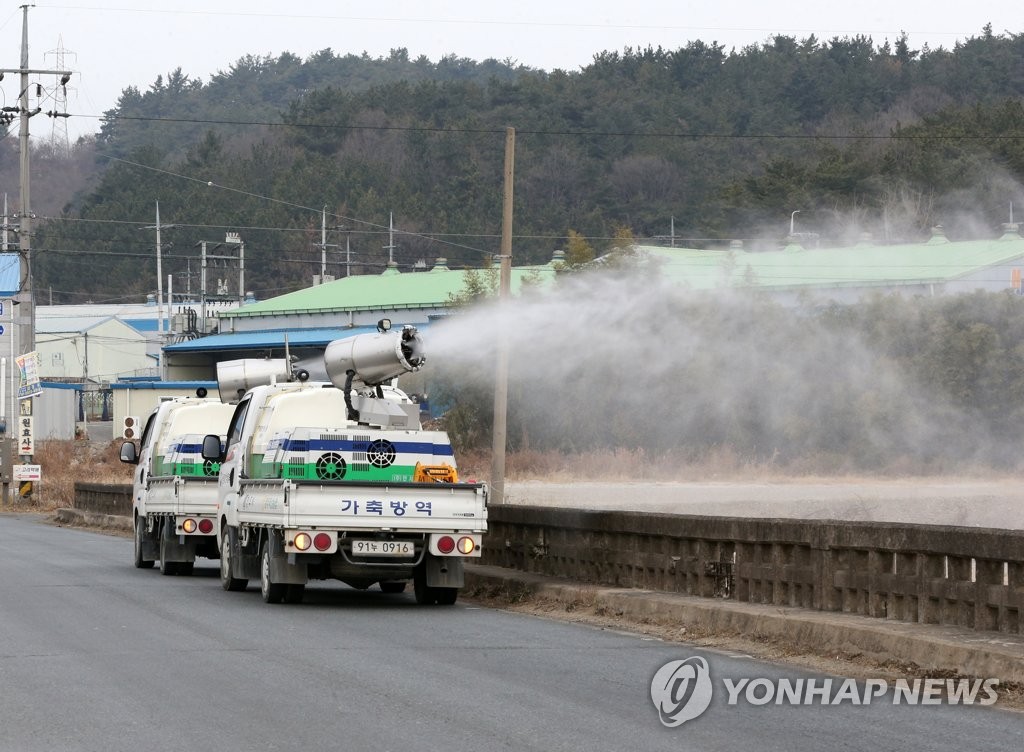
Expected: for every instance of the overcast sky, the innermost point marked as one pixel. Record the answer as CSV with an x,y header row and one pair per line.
x,y
114,44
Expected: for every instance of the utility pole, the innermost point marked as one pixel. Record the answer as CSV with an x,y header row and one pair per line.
x,y
159,283
499,444
348,246
25,295
348,253
160,288
220,261
391,240
25,224
324,245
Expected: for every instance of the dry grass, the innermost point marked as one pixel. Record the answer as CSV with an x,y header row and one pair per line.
x,y
66,462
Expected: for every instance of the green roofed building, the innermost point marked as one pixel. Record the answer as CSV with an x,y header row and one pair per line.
x,y
311,318
937,266
408,298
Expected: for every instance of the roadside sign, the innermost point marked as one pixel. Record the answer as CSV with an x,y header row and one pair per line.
x,y
26,436
29,366
27,472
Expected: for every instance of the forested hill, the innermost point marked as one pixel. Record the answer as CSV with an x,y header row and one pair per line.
x,y
856,135
258,89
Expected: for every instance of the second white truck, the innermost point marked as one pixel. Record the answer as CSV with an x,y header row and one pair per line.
x,y
174,497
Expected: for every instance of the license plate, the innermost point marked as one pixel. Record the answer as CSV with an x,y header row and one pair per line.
x,y
383,548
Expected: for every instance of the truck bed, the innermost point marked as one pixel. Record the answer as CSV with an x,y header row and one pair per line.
x,y
410,507
181,495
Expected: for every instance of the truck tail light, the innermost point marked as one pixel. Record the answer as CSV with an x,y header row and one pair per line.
x,y
189,525
205,526
303,541
455,544
322,541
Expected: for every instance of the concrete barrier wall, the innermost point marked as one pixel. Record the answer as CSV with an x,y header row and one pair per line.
x,y
965,577
104,498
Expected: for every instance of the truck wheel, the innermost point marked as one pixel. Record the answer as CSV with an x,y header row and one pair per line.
x,y
167,568
392,587
140,533
227,576
445,596
294,593
272,592
185,567
424,595
429,596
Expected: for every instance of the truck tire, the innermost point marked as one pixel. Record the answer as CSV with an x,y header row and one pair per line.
x,y
228,581
430,596
272,592
445,596
168,569
140,533
294,593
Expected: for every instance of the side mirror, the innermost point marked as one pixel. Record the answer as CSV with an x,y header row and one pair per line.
x,y
129,453
212,447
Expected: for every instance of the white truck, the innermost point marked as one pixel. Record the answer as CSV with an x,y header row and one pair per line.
x,y
174,495
338,480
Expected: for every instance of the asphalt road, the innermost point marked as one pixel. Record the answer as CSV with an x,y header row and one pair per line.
x,y
96,655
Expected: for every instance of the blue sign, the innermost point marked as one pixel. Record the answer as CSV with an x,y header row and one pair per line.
x,y
2,330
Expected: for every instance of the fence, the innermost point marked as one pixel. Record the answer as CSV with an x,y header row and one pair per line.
x,y
966,577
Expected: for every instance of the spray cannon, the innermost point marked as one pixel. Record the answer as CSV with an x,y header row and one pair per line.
x,y
365,361
372,359
236,377
368,360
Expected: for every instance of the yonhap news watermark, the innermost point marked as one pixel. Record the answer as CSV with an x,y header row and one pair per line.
x,y
682,690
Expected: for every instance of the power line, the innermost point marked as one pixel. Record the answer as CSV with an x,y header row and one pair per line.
x,y
694,135
317,211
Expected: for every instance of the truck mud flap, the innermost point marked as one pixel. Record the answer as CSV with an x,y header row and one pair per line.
x,y
244,561
444,571
283,568
150,539
174,547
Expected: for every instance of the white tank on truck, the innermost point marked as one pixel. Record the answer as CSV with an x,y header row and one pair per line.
x,y
338,479
174,494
